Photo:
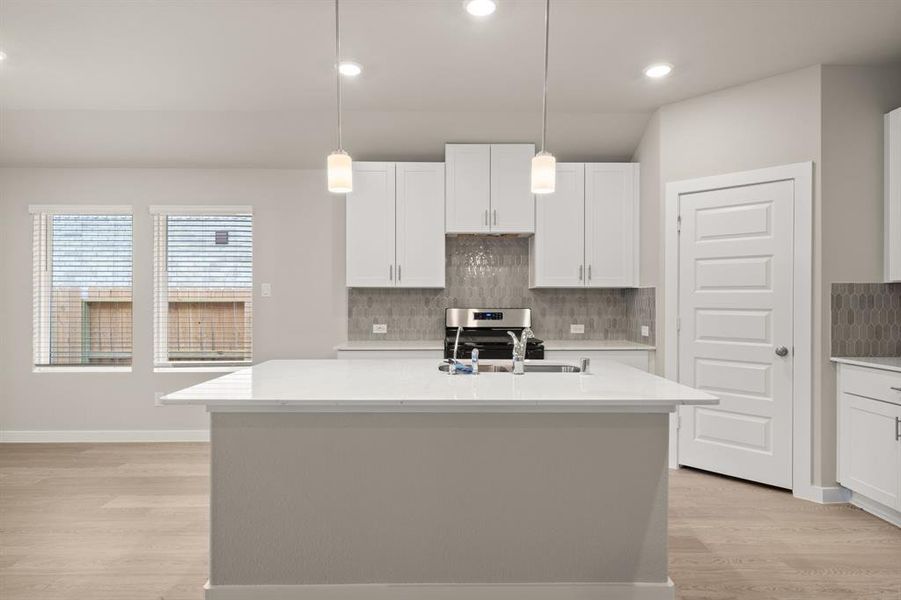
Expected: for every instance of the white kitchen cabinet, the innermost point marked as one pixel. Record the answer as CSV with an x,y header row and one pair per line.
x,y
419,231
611,224
370,226
893,195
586,233
512,201
395,225
558,248
869,438
488,188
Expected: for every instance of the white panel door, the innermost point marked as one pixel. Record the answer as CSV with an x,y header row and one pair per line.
x,y
869,449
468,176
512,201
611,223
370,226
420,225
735,307
557,257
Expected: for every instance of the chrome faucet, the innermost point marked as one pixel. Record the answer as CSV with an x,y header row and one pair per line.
x,y
451,370
519,350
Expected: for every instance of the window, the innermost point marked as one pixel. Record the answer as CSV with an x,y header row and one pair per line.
x,y
203,286
82,259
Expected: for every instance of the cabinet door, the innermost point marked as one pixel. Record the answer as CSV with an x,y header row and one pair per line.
x,y
869,451
468,187
557,252
611,224
512,200
420,225
370,226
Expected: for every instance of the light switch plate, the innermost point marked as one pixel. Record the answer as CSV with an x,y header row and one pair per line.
x,y
645,331
379,328
266,289
577,328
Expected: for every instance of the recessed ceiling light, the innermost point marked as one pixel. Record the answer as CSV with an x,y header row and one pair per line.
x,y
659,70
480,8
350,69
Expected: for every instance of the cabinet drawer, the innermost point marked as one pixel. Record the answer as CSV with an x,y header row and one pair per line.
x,y
871,383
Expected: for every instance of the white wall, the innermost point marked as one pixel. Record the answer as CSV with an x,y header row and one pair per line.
x,y
829,115
854,100
298,248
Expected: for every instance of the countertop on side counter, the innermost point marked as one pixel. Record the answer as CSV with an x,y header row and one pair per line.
x,y
585,345
886,363
416,385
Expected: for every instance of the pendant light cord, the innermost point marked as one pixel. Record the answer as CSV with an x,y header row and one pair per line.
x,y
338,70
547,16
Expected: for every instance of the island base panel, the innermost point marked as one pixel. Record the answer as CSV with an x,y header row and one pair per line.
x,y
319,504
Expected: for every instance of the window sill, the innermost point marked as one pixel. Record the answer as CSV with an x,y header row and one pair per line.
x,y
62,369
210,369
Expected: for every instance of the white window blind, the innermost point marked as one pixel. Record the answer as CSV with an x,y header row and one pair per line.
x,y
203,288
82,288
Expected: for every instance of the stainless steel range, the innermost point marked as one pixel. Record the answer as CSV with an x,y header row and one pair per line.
x,y
486,329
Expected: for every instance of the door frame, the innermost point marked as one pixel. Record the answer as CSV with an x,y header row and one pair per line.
x,y
801,174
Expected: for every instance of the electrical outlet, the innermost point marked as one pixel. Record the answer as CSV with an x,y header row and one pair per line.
x,y
577,328
266,289
645,331
379,328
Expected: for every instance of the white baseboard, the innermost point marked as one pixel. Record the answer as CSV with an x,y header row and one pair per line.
x,y
449,591
877,510
104,435
834,494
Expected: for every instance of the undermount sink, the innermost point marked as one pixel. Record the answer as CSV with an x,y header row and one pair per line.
x,y
529,368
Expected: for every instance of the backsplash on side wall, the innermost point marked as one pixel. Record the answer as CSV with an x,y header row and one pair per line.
x,y
493,272
866,319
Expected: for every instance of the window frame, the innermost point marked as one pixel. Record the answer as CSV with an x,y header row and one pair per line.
x,y
42,277
160,288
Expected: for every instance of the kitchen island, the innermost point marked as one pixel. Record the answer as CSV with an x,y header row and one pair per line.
x,y
378,479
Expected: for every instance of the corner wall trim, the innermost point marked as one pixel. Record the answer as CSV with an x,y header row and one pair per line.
x,y
449,591
825,495
103,436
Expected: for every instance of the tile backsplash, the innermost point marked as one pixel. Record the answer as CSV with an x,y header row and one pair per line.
x,y
493,272
866,319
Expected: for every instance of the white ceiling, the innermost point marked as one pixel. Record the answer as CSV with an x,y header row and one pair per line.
x,y
250,82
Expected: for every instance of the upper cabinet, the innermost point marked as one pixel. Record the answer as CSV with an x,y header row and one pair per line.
x,y
586,232
893,195
395,225
488,188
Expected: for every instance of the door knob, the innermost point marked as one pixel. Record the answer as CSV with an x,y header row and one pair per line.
x,y
781,351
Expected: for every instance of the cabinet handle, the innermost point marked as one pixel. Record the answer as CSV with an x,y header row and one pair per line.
x,y
589,272
580,272
897,428
495,216
390,272
398,272
486,217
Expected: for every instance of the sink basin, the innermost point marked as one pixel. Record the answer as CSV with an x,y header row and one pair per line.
x,y
529,368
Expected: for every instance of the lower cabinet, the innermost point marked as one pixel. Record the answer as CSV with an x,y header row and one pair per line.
x,y
869,436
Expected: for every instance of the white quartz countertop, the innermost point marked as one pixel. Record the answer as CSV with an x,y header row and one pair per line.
x,y
416,385
886,363
586,345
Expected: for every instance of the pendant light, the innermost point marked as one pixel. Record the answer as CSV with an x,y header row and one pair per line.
x,y
340,172
544,165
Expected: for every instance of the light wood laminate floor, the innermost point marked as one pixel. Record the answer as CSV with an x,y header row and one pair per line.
x,y
129,522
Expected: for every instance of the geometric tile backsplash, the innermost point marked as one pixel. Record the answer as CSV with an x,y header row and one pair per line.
x,y
493,272
866,319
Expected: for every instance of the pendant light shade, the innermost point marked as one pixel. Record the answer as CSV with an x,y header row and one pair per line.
x,y
544,173
544,165
340,172
339,165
